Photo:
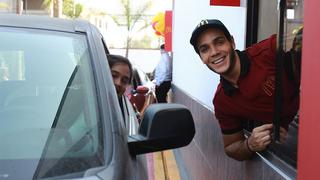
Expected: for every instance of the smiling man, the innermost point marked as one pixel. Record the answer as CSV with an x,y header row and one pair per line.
x,y
246,89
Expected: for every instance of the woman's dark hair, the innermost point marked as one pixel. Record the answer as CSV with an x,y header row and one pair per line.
x,y
117,59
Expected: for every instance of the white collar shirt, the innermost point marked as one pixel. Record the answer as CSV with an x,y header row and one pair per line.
x,y
163,71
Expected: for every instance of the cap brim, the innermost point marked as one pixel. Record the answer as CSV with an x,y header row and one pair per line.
x,y
199,30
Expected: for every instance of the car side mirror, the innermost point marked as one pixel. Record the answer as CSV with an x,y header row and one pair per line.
x,y
142,89
164,126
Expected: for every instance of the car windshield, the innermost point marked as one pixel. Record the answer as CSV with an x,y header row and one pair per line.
x,y
49,119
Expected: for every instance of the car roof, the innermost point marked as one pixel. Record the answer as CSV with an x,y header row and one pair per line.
x,y
44,22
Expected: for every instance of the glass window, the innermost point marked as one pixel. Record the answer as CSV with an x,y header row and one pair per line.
x,y
289,31
49,116
267,19
293,23
144,78
292,45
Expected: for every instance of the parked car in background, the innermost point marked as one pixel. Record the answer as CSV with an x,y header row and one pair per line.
x,y
141,92
60,116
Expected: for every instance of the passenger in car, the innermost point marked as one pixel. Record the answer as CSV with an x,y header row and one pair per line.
x,y
246,89
121,70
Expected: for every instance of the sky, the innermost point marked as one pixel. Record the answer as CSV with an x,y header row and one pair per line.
x,y
115,36
113,6
118,33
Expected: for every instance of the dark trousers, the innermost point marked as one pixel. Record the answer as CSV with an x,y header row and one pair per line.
x,y
162,90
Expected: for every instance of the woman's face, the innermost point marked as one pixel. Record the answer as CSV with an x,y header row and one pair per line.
x,y
121,77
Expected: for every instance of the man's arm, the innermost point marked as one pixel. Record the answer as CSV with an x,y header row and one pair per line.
x,y
235,146
238,147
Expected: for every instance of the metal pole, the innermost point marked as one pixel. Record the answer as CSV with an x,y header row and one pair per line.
x,y
279,67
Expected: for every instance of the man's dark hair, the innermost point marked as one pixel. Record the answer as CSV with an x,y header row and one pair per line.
x,y
162,46
117,59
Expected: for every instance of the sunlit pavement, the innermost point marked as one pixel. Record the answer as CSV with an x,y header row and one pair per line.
x,y
162,166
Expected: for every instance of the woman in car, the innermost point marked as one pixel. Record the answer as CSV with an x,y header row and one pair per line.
x,y
121,70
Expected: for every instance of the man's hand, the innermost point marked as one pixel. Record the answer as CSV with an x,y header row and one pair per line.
x,y
235,145
261,137
283,135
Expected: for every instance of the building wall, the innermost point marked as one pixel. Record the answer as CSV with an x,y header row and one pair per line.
x,y
35,4
16,6
204,157
145,59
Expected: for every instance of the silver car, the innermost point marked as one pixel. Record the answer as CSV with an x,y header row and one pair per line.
x,y
60,117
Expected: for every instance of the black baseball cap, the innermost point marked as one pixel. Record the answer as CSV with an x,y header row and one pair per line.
x,y
205,24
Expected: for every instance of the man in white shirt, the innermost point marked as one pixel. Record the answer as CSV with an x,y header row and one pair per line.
x,y
163,76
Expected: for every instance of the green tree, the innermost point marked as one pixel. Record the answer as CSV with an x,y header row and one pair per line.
x,y
3,5
132,16
69,8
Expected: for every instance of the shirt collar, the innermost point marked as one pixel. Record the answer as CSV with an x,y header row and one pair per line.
x,y
244,69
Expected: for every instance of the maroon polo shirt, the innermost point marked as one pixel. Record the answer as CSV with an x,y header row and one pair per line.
x,y
254,98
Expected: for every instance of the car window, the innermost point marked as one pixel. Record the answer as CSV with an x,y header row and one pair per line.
x,y
49,116
136,81
144,78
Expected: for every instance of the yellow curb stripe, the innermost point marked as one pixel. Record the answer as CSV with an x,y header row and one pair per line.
x,y
158,166
173,170
165,166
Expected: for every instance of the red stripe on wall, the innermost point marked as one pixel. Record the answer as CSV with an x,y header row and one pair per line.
x,y
309,122
168,31
225,2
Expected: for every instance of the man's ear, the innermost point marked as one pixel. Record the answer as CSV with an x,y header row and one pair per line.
x,y
232,43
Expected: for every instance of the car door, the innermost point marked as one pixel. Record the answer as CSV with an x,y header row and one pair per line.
x,y
122,164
